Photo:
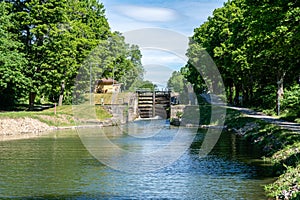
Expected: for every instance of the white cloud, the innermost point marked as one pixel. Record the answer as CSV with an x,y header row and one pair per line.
x,y
178,15
162,58
148,14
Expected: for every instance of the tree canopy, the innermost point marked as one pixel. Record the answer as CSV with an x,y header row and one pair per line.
x,y
13,82
44,44
176,82
255,45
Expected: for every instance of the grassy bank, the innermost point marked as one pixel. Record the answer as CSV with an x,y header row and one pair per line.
x,y
279,146
63,116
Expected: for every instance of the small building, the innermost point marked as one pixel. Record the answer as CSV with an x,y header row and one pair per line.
x,y
107,85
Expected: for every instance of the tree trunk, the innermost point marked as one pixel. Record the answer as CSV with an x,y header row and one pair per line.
x,y
279,94
230,96
61,95
32,96
237,94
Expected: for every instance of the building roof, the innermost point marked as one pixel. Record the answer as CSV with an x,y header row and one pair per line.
x,y
107,81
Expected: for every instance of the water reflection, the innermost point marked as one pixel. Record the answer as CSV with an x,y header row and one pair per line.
x,y
58,166
138,154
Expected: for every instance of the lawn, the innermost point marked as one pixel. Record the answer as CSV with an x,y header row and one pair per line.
x,y
59,116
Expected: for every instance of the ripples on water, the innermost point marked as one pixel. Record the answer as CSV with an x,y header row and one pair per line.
x,y
58,166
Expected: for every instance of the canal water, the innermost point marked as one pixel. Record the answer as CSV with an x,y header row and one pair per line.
x,y
58,166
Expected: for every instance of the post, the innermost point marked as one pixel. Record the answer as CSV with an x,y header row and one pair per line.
x,y
153,104
54,108
61,95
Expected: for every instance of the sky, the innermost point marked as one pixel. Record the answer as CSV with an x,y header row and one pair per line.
x,y
180,16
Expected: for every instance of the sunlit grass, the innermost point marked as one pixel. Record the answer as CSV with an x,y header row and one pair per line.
x,y
62,115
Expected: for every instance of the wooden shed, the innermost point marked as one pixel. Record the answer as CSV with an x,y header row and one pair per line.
x,y
107,85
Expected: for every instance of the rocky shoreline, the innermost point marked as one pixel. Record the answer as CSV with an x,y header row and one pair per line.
x,y
21,128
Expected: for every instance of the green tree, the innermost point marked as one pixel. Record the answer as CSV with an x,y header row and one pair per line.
x,y
13,83
62,39
176,82
146,85
58,37
273,42
254,45
115,59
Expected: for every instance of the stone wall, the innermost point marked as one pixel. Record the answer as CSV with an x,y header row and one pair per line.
x,y
122,113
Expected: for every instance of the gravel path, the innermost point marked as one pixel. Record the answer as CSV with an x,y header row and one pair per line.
x,y
215,100
270,119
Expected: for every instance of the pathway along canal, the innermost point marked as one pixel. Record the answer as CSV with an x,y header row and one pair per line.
x,y
58,166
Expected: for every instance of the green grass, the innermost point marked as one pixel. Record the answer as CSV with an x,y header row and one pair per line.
x,y
67,115
64,115
286,186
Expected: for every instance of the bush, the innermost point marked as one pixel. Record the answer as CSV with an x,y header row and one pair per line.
x,y
291,103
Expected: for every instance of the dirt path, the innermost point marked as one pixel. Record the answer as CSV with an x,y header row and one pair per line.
x,y
273,120
215,100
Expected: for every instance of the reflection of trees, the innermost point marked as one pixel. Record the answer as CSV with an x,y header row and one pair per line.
x,y
46,166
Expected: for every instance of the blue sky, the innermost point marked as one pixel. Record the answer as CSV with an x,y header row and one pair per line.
x,y
181,16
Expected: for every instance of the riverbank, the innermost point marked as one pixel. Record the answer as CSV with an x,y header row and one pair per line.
x,y
278,145
20,126
28,124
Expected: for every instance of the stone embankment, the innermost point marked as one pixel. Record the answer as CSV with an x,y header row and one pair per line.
x,y
22,126
11,129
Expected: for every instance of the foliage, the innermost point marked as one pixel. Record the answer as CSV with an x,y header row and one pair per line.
x,y
58,36
286,186
291,103
13,82
292,97
179,114
46,44
113,58
176,82
254,45
146,85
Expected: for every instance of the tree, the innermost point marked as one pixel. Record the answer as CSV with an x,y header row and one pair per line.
x,y
176,82
58,36
274,46
57,39
147,85
13,83
254,45
115,59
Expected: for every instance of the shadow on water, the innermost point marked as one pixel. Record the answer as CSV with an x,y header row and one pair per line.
x,y
232,149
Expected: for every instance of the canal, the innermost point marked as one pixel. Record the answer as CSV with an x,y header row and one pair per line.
x,y
58,166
